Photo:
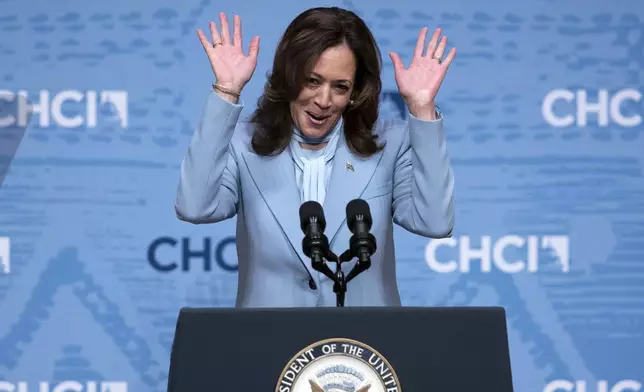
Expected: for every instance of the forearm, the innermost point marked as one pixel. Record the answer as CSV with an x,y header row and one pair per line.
x,y
207,186
424,203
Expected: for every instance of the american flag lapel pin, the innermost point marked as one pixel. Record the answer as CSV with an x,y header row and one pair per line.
x,y
349,166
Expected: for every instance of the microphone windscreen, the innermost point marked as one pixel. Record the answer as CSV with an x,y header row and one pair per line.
x,y
358,209
312,209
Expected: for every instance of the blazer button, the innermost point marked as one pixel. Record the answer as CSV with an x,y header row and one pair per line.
x,y
312,285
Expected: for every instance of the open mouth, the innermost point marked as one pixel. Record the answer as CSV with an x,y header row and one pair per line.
x,y
317,119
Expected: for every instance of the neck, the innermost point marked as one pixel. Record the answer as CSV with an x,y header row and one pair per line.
x,y
317,146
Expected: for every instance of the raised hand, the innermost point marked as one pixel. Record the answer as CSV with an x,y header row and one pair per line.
x,y
419,84
232,68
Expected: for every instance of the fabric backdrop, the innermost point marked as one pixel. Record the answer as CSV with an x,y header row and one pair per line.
x,y
542,110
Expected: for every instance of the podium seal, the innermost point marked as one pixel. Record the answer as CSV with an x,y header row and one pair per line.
x,y
338,365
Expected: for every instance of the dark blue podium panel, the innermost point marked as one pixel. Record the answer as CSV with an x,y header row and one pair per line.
x,y
349,349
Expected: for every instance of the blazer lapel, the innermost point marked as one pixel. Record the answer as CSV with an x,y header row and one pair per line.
x,y
349,178
275,179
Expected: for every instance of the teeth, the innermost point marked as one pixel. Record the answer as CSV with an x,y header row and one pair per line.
x,y
316,117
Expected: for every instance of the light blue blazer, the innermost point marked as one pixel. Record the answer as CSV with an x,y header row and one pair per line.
x,y
409,183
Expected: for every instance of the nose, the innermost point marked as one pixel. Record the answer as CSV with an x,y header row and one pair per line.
x,y
323,97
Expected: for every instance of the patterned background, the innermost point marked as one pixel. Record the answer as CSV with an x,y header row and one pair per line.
x,y
86,209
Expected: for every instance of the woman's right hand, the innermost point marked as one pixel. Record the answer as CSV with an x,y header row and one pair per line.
x,y
231,67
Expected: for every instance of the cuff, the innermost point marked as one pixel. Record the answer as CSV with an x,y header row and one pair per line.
x,y
439,117
215,98
427,133
220,111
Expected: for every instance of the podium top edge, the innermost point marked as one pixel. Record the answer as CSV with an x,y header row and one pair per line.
x,y
366,309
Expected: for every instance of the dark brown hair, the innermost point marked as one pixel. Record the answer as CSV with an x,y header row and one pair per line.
x,y
308,35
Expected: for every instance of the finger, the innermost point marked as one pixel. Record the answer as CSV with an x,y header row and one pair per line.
x,y
237,35
204,41
253,48
440,50
420,43
395,59
225,29
431,47
449,58
214,33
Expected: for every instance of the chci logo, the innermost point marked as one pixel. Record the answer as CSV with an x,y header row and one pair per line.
x,y
338,365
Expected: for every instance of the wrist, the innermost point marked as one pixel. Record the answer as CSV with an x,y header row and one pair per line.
x,y
233,88
426,112
226,92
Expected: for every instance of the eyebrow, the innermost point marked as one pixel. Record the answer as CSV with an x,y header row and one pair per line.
x,y
321,77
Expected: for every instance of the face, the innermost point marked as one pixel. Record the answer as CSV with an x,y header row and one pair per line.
x,y
326,92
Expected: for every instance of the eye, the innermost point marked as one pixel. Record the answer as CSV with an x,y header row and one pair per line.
x,y
313,81
342,87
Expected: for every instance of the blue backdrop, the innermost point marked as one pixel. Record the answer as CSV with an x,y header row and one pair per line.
x,y
542,110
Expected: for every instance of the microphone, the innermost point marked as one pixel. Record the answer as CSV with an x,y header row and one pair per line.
x,y
315,244
362,244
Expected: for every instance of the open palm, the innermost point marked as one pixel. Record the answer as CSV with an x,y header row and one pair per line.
x,y
419,84
232,68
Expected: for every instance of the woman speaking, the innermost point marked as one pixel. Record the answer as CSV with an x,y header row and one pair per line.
x,y
316,136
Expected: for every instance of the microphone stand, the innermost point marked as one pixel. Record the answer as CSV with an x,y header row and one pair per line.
x,y
340,286
318,249
339,279
361,245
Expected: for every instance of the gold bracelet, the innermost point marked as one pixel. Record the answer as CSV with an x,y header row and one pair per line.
x,y
224,90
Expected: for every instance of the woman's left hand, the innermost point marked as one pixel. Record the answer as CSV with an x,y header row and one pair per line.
x,y
419,84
